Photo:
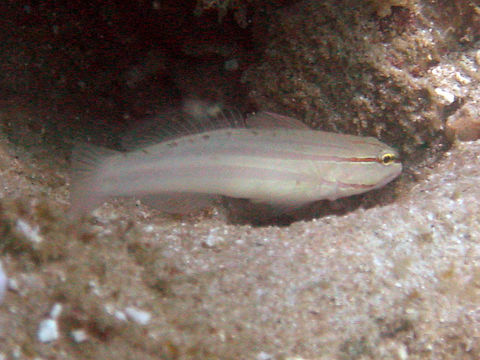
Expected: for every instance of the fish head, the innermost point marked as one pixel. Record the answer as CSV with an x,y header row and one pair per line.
x,y
386,167
372,166
363,164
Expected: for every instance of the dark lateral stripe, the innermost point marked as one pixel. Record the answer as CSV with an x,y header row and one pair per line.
x,y
282,154
360,160
356,186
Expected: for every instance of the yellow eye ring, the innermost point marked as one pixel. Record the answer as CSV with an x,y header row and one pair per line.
x,y
388,158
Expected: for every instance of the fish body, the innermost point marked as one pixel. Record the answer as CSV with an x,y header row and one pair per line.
x,y
283,166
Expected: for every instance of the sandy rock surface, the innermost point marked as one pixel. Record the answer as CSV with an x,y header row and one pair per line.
x,y
392,275
395,281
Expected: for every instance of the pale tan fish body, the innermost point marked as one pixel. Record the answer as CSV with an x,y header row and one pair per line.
x,y
287,166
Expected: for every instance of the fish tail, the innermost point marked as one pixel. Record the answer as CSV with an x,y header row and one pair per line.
x,y
86,194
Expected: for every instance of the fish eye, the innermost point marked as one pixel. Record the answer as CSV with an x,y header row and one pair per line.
x,y
388,158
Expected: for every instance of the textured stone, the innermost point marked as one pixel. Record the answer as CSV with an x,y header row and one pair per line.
x,y
393,69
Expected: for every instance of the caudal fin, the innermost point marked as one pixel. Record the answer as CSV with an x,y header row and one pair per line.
x,y
85,194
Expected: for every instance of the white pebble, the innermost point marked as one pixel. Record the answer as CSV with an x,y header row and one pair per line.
x,y
120,315
263,356
446,96
32,234
149,229
139,316
402,352
56,311
3,283
92,284
13,286
213,239
79,335
462,79
17,352
477,57
47,331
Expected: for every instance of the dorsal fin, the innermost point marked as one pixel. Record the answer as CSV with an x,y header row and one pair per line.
x,y
202,116
150,131
270,120
198,116
195,117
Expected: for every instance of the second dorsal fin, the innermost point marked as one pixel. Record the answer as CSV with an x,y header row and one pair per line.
x,y
270,120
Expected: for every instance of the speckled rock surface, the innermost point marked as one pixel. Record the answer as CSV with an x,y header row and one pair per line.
x,y
398,281
395,70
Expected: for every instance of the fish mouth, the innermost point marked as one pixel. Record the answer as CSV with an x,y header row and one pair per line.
x,y
379,184
391,177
